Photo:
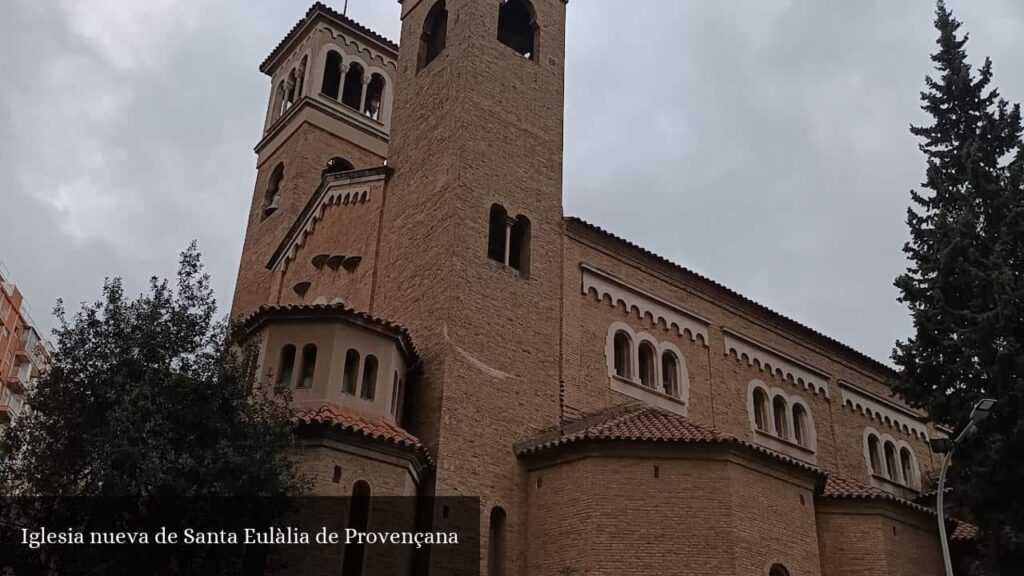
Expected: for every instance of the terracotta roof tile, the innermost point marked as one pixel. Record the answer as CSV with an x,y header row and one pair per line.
x,y
338,309
351,420
641,423
321,8
840,488
964,532
878,365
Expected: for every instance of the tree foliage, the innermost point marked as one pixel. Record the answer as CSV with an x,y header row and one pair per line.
x,y
148,399
965,283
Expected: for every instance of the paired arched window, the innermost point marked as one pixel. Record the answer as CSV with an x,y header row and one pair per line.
x,y
496,543
375,98
761,409
891,471
308,365
351,374
435,34
907,466
331,85
358,520
272,197
517,27
369,389
646,356
623,354
286,367
279,100
508,239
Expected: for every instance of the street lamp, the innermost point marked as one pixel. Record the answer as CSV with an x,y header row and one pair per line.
x,y
980,412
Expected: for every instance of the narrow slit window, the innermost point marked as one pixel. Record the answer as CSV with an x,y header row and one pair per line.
x,y
272,197
369,389
891,470
358,520
496,543
874,457
497,233
907,466
519,245
348,384
308,365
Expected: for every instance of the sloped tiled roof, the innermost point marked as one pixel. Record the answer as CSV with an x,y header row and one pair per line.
x,y
642,423
848,350
964,532
350,420
320,8
842,488
338,310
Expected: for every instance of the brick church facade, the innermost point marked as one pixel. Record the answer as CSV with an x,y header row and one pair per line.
x,y
446,330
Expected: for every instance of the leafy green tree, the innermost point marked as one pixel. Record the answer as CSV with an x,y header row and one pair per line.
x,y
148,399
965,285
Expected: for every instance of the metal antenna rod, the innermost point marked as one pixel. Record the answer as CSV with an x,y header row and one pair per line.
x,y
344,11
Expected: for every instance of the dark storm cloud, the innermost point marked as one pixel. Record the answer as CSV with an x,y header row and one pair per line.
x,y
763,143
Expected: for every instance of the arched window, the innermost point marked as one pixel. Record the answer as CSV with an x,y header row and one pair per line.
x,y
497,234
348,383
332,76
891,471
496,543
369,389
778,570
781,413
760,409
358,520
435,34
375,98
646,360
292,89
874,455
519,245
907,466
517,27
286,368
623,354
337,165
301,78
353,94
670,374
396,396
278,104
800,425
272,197
308,365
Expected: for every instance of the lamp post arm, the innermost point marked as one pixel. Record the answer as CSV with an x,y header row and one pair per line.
x,y
940,511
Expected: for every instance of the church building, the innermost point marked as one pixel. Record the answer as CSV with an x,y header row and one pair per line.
x,y
445,329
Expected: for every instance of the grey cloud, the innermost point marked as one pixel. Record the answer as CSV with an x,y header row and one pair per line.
x,y
763,143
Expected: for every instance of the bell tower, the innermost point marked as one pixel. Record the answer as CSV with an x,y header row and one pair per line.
x,y
472,234
329,111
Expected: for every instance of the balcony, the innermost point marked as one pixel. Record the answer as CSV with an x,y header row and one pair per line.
x,y
10,405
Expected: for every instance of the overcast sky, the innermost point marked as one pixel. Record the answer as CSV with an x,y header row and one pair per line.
x,y
763,143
